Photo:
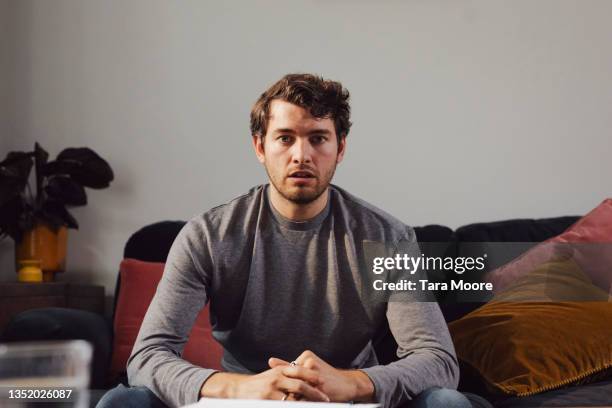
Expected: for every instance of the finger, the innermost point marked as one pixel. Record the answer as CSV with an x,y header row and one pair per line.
x,y
304,389
302,373
293,397
307,356
275,362
279,395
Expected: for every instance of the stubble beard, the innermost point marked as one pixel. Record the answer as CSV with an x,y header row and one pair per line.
x,y
302,195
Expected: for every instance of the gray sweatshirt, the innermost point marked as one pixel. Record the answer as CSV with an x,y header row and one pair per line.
x,y
276,288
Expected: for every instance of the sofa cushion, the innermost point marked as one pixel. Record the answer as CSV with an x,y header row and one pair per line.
x,y
588,395
504,241
545,343
139,281
589,241
150,243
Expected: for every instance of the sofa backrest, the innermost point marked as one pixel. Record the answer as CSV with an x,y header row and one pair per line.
x,y
152,243
504,241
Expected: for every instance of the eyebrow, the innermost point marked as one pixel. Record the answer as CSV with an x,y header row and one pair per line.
x,y
312,132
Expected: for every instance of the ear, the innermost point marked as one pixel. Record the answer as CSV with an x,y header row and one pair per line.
x,y
258,145
341,149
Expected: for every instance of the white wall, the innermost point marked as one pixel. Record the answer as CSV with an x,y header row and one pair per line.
x,y
5,104
7,140
463,110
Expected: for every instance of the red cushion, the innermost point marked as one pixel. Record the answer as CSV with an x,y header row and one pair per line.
x,y
138,284
589,241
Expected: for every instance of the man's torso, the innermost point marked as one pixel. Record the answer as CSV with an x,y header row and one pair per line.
x,y
278,287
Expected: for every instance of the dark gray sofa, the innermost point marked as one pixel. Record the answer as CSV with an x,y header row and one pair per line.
x,y
152,243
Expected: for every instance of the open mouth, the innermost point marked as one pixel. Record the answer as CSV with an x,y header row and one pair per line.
x,y
302,175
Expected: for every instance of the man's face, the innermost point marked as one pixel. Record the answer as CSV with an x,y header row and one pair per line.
x,y
300,152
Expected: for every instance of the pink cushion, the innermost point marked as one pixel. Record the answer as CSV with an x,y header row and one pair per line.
x,y
138,284
589,241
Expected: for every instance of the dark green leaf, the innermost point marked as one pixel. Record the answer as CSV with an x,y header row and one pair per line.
x,y
9,212
9,188
15,217
14,174
61,167
93,171
40,154
41,157
66,190
8,191
55,213
17,165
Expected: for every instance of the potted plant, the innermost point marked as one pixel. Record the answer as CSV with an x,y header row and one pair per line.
x,y
37,218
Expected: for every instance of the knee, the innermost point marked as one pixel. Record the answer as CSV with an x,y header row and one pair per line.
x,y
128,397
441,398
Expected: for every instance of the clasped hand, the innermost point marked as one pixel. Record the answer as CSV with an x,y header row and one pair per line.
x,y
311,379
335,384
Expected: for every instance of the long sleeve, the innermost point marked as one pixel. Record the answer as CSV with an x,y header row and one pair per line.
x,y
426,351
427,355
181,294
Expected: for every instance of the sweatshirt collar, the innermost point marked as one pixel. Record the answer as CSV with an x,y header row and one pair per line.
x,y
297,225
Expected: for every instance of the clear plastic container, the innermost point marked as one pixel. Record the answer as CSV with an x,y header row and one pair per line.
x,y
37,373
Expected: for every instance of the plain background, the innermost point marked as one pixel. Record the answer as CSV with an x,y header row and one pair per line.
x,y
464,110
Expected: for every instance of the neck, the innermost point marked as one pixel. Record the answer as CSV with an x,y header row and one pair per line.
x,y
294,211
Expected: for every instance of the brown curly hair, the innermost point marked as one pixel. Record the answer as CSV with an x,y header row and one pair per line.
x,y
322,98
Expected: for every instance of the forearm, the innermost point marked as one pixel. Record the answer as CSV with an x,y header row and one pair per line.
x,y
426,351
171,378
401,381
363,386
221,385
156,360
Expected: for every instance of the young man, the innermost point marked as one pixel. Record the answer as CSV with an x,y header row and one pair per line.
x,y
281,268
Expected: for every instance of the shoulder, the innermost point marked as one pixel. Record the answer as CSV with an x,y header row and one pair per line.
x,y
235,214
239,205
374,223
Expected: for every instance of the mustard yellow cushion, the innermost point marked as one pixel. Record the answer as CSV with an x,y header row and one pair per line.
x,y
551,328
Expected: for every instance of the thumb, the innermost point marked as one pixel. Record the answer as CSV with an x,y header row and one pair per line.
x,y
276,362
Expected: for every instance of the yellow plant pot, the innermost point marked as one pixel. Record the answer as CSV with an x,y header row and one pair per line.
x,y
45,244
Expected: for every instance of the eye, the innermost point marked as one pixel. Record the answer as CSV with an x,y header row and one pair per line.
x,y
318,139
285,139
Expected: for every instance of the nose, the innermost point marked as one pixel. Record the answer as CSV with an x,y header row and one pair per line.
x,y
301,151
